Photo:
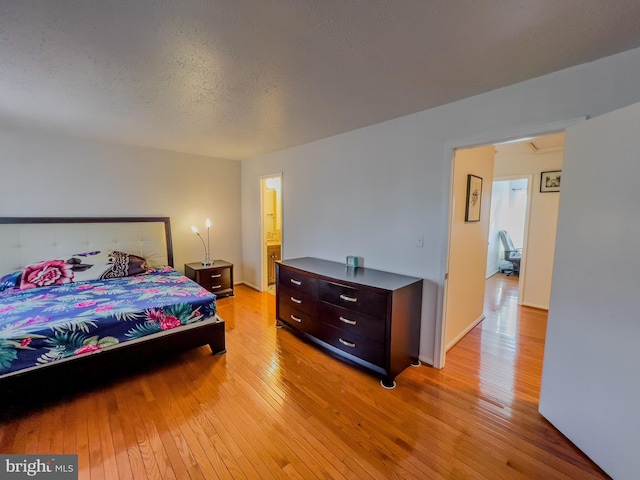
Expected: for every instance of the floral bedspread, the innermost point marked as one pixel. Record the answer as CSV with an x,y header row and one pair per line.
x,y
43,325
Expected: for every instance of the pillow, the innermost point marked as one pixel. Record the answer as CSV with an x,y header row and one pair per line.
x,y
82,267
46,274
124,265
10,281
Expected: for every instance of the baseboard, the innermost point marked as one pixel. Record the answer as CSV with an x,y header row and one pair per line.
x,y
464,332
250,285
533,305
493,273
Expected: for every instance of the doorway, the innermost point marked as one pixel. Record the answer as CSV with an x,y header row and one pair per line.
x,y
509,213
271,228
526,159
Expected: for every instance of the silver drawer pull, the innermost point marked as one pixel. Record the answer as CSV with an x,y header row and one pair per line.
x,y
295,282
348,299
297,319
347,321
295,300
215,287
348,344
216,276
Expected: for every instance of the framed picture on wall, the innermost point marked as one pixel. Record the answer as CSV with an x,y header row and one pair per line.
x,y
550,181
474,198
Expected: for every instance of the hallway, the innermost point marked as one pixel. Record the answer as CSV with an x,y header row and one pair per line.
x,y
503,353
503,315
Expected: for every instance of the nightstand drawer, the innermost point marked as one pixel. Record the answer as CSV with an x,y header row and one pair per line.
x,y
215,279
360,324
359,300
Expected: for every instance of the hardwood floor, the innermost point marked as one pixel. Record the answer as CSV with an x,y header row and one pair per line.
x,y
275,407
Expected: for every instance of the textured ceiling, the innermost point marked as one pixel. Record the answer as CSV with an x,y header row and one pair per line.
x,y
239,78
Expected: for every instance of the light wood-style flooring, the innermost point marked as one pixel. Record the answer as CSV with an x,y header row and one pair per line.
x,y
275,407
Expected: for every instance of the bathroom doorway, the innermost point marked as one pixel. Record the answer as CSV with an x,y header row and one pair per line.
x,y
271,196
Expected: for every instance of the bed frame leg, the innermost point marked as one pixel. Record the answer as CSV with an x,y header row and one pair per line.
x,y
218,342
216,350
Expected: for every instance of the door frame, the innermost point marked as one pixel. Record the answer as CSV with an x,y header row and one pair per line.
x,y
488,138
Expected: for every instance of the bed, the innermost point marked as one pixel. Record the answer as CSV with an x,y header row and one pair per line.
x,y
60,319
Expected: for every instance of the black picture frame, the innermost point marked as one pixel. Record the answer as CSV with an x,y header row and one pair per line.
x,y
550,181
474,199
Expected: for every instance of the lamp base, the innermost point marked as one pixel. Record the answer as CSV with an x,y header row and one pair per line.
x,y
207,263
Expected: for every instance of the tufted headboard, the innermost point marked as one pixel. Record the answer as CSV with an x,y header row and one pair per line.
x,y
25,240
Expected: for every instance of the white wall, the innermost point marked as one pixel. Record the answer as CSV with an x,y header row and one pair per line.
x,y
590,382
42,174
512,160
372,192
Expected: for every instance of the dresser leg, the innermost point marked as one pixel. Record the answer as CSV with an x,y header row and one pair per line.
x,y
389,385
278,324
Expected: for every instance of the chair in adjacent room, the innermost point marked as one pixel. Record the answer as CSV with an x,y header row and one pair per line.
x,y
512,255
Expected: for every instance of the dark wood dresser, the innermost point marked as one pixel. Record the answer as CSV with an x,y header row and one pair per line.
x,y
217,277
366,317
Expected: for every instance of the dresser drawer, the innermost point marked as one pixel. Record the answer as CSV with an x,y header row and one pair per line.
x,y
297,319
298,299
295,280
358,323
342,339
360,300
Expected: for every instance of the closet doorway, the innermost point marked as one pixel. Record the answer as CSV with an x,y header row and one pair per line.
x,y
271,228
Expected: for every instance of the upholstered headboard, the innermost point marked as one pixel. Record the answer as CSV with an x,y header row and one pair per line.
x,y
31,239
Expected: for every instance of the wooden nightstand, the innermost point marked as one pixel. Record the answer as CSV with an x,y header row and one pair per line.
x,y
217,277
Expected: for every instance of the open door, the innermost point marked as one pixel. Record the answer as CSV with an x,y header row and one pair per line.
x,y
468,238
590,383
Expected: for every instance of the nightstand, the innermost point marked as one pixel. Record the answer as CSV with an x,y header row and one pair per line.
x,y
217,277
